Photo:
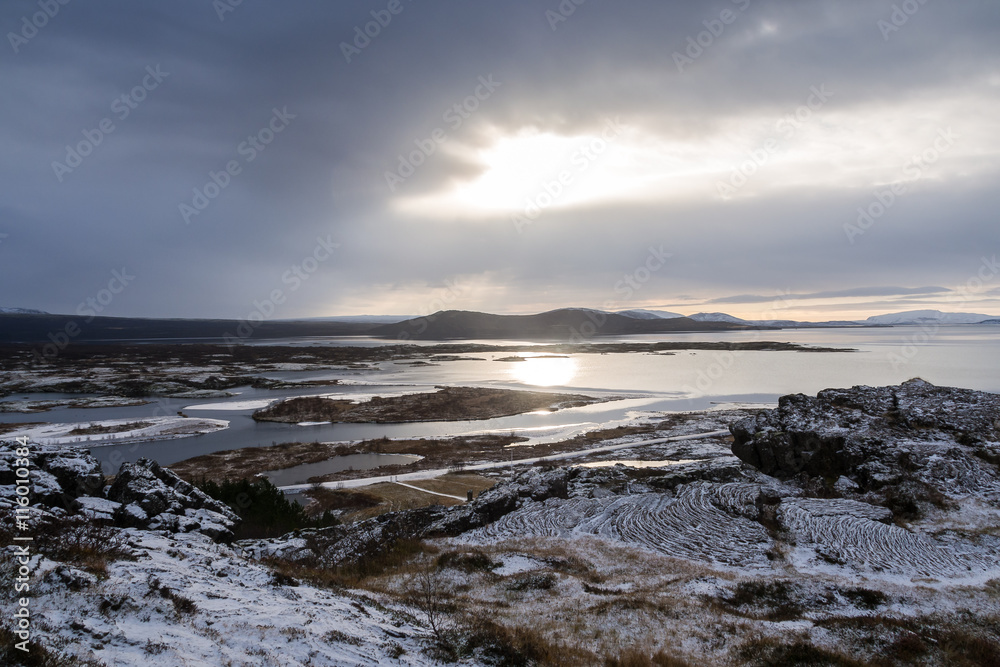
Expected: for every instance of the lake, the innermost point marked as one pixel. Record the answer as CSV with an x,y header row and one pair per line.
x,y
963,356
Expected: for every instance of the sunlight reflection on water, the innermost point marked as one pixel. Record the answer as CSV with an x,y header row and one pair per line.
x,y
544,371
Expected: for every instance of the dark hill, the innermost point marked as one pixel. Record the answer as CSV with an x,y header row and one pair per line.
x,y
63,329
572,324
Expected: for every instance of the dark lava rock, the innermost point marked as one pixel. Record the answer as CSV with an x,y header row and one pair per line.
x,y
912,442
67,479
146,490
58,474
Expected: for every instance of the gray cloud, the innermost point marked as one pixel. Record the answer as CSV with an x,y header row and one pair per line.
x,y
324,175
834,294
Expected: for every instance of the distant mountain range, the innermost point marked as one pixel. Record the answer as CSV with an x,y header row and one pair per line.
x,y
569,323
910,317
31,326
930,316
561,324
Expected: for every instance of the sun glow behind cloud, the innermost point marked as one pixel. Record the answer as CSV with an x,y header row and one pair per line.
x,y
822,148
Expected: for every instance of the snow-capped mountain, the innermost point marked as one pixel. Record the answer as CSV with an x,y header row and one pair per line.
x,y
717,317
928,317
891,319
642,314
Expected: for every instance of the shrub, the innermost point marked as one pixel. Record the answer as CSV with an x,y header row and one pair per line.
x,y
79,541
774,653
510,647
538,581
637,658
475,561
37,655
182,605
774,597
865,597
263,508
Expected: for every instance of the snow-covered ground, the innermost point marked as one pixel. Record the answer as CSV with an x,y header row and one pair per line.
x,y
232,406
148,429
241,615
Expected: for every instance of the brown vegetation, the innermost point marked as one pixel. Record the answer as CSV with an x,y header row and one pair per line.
x,y
356,505
437,453
446,404
97,429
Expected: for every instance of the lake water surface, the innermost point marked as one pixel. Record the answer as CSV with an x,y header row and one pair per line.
x,y
963,356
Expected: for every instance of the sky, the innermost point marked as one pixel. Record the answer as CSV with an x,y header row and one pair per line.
x,y
198,158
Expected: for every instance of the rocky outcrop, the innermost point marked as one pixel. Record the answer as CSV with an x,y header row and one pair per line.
x,y
152,496
66,479
58,474
911,443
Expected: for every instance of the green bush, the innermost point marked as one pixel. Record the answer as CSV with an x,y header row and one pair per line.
x,y
263,508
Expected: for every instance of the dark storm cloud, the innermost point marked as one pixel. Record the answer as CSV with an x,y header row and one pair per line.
x,y
322,177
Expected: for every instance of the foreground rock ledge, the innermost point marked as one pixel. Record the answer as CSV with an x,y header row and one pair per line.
x,y
934,441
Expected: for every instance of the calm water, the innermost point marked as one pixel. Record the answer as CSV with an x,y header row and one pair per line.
x,y
300,473
965,356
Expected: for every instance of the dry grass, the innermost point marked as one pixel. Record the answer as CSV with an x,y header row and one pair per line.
x,y
456,484
249,462
9,428
38,655
437,453
388,497
97,429
82,543
404,558
630,625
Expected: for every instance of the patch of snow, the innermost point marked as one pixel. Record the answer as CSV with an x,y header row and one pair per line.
x,y
637,464
97,508
233,406
516,564
160,428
